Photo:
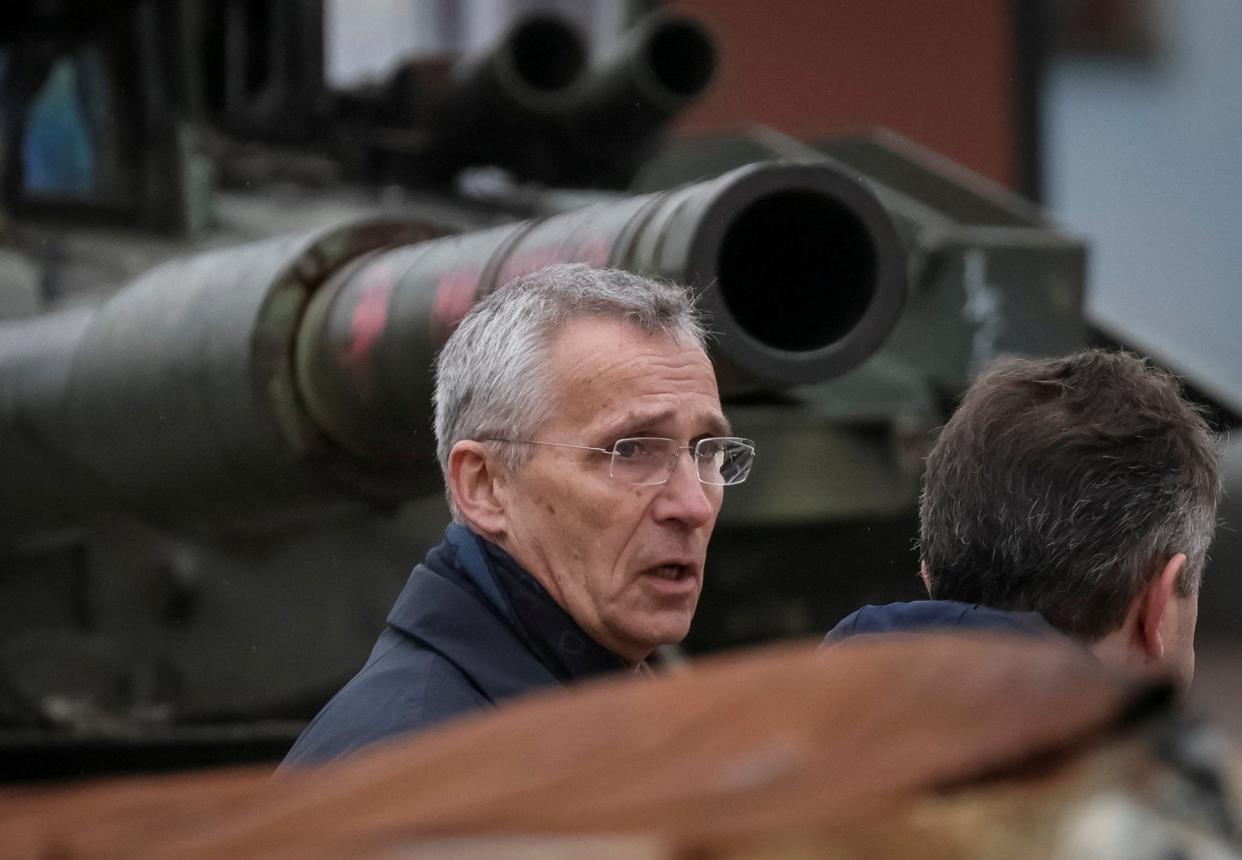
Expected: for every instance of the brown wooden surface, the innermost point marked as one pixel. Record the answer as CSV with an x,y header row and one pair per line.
x,y
733,750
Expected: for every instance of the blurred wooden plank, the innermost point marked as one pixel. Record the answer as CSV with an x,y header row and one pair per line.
x,y
742,753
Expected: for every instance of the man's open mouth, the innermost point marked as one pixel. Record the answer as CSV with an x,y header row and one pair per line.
x,y
671,572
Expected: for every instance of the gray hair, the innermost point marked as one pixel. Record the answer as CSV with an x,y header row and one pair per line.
x,y
1062,486
491,378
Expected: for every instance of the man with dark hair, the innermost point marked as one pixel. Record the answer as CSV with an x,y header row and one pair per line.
x,y
1073,494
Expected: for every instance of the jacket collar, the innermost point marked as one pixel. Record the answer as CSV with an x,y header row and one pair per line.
x,y
471,602
443,616
927,615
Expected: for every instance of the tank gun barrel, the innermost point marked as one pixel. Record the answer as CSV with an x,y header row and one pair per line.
x,y
795,266
243,386
664,64
504,106
531,105
537,65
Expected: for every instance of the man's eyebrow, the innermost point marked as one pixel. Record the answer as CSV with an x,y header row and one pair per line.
x,y
717,424
636,419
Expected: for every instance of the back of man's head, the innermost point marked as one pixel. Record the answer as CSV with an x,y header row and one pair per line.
x,y
1063,486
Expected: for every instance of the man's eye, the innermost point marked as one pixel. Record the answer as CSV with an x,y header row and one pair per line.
x,y
631,449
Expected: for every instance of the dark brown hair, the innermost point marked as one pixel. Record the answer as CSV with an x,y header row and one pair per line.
x,y
1061,486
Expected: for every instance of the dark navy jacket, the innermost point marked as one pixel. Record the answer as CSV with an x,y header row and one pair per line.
x,y
930,615
469,630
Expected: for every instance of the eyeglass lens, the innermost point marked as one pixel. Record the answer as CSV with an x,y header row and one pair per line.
x,y
652,460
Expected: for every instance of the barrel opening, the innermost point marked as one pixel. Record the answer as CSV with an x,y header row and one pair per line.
x,y
797,270
547,54
681,57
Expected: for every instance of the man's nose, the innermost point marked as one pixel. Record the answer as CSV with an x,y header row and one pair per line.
x,y
685,498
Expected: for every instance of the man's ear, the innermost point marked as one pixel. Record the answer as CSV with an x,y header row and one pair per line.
x,y
475,479
923,575
1153,603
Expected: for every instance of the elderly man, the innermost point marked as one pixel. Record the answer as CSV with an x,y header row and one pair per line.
x,y
585,456
1074,494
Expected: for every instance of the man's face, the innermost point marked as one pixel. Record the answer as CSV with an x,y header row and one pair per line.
x,y
625,561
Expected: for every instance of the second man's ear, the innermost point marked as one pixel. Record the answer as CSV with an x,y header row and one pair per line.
x,y
1154,604
475,480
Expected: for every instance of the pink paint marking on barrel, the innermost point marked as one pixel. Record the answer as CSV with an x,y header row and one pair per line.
x,y
370,317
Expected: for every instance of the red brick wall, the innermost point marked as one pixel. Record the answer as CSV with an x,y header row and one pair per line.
x,y
938,72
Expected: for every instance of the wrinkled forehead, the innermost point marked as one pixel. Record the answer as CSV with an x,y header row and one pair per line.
x,y
605,320
609,369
